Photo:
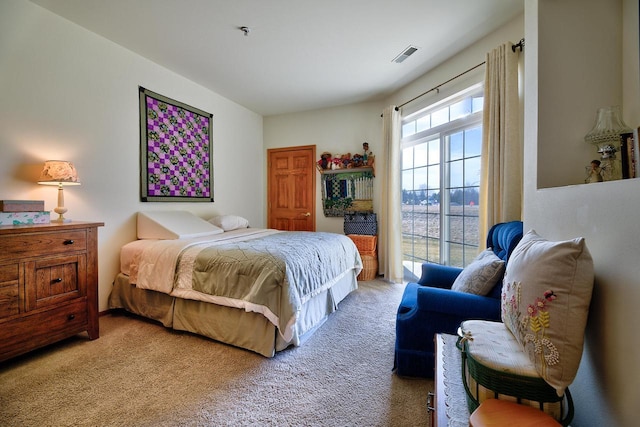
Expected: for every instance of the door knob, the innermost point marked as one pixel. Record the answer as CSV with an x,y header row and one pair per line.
x,y
307,214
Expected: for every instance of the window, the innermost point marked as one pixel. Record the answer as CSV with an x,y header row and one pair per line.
x,y
441,153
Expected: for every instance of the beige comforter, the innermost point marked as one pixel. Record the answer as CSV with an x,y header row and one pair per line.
x,y
264,271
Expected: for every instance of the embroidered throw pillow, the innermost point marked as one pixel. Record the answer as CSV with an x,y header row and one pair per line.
x,y
481,275
545,302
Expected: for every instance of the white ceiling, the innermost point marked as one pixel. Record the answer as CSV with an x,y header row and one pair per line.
x,y
300,54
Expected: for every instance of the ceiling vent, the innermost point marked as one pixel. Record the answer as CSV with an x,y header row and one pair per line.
x,y
405,54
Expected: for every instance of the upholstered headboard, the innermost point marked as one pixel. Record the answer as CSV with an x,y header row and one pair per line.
x,y
173,225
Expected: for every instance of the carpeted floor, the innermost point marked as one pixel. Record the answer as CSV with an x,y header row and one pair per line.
x,y
141,374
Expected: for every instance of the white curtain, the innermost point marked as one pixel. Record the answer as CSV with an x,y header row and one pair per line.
x,y
390,219
501,169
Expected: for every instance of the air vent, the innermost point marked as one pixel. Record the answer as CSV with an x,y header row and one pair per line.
x,y
405,54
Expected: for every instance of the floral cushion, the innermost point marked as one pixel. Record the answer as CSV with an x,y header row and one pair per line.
x,y
545,301
494,348
481,275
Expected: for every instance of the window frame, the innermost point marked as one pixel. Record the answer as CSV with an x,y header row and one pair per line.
x,y
443,133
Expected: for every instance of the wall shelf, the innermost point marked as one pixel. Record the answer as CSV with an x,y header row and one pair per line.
x,y
349,170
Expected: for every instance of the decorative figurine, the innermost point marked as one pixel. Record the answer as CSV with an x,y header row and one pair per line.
x,y
365,156
594,172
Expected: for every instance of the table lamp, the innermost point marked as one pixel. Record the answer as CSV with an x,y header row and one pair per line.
x,y
605,136
60,173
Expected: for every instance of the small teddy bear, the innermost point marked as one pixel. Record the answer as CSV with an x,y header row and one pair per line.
x,y
325,160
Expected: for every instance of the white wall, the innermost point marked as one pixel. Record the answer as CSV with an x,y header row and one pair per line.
x,y
69,94
337,130
562,101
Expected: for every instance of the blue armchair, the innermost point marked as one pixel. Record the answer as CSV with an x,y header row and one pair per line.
x,y
430,306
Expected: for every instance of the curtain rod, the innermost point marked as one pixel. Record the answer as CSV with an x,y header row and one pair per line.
x,y
518,45
437,88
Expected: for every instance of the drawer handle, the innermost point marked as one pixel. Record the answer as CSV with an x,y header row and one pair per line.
x,y
430,405
58,280
68,242
71,316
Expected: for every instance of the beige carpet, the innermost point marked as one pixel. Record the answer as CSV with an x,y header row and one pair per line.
x,y
141,374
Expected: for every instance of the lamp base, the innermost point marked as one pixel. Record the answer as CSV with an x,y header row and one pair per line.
x,y
611,168
58,221
61,219
60,209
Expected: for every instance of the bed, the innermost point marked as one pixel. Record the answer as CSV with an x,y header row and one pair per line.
x,y
259,289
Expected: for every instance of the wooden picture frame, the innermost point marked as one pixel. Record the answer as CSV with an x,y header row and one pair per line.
x,y
176,147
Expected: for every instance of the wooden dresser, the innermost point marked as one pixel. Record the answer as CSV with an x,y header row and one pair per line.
x,y
48,284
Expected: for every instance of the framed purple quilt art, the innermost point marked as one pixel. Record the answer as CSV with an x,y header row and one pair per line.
x,y
176,162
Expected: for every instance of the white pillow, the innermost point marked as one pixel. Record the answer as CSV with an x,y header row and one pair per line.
x,y
229,222
545,303
481,275
170,225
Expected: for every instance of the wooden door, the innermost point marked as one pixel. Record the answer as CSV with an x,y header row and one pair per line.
x,y
291,183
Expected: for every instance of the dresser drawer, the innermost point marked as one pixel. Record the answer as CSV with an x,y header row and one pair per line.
x,y
9,300
9,273
41,244
52,280
9,296
41,328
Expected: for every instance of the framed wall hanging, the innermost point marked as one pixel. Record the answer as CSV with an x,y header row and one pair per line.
x,y
176,146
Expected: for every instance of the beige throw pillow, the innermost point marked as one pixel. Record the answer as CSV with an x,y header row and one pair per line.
x,y
229,222
545,301
481,275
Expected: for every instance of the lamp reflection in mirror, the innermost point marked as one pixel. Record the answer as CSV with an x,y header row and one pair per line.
x,y
60,173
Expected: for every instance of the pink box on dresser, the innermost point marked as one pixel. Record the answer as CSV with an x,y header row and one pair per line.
x,y
20,218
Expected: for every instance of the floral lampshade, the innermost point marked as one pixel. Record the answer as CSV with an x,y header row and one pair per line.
x,y
58,172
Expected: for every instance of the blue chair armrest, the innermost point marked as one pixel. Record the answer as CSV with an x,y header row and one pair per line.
x,y
458,304
438,276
